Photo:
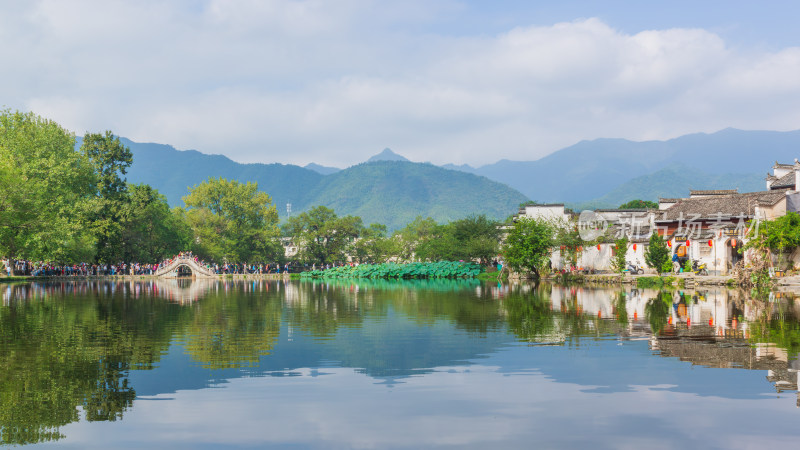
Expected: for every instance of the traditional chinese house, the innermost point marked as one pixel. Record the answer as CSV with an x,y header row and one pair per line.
x,y
710,226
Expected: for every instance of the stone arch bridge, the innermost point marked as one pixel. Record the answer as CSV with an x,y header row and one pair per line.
x,y
198,270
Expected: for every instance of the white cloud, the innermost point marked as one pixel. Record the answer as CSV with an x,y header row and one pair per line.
x,y
334,82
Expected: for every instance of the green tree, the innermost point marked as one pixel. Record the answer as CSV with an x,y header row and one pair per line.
x,y
781,235
619,261
528,245
44,188
657,253
414,234
373,246
111,160
439,245
150,231
322,236
232,220
568,239
639,204
476,237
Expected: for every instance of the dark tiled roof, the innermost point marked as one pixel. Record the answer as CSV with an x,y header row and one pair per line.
x,y
669,200
635,234
728,205
631,210
783,182
715,192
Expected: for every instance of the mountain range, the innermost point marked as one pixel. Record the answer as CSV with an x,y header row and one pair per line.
x,y
580,172
390,189
390,192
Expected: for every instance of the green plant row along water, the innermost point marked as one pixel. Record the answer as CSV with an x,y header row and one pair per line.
x,y
443,269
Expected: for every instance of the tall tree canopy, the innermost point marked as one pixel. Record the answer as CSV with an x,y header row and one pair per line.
x,y
528,244
657,254
234,221
322,236
150,231
471,238
111,160
639,204
44,188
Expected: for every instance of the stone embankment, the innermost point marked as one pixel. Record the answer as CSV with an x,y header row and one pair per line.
x,y
700,280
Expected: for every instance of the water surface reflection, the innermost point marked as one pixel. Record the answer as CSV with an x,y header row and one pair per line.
x,y
471,360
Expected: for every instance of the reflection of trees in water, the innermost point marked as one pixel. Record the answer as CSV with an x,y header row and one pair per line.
x,y
323,307
68,347
229,331
61,354
530,316
777,323
657,311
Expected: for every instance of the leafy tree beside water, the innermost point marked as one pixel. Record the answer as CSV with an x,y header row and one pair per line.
x,y
232,221
657,255
150,231
528,245
619,260
111,160
44,189
474,238
413,235
322,236
373,246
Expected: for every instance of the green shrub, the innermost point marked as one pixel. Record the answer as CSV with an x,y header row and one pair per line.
x,y
649,282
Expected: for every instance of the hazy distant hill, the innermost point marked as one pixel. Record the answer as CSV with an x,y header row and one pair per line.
x,y
395,192
388,192
589,169
673,182
321,169
387,155
602,172
171,171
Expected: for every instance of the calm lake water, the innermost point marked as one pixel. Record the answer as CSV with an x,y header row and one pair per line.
x,y
376,364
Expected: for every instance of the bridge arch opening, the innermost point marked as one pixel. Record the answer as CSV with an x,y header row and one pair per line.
x,y
184,271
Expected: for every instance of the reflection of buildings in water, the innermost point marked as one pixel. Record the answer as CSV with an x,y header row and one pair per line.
x,y
700,346
598,302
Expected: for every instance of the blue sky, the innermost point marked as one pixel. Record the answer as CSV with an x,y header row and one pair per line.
x,y
436,80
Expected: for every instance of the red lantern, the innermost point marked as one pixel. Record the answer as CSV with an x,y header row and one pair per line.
x,y
669,244
733,243
598,247
634,247
687,242
710,243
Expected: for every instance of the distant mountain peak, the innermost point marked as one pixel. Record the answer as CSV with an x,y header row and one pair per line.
x,y
324,170
387,155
